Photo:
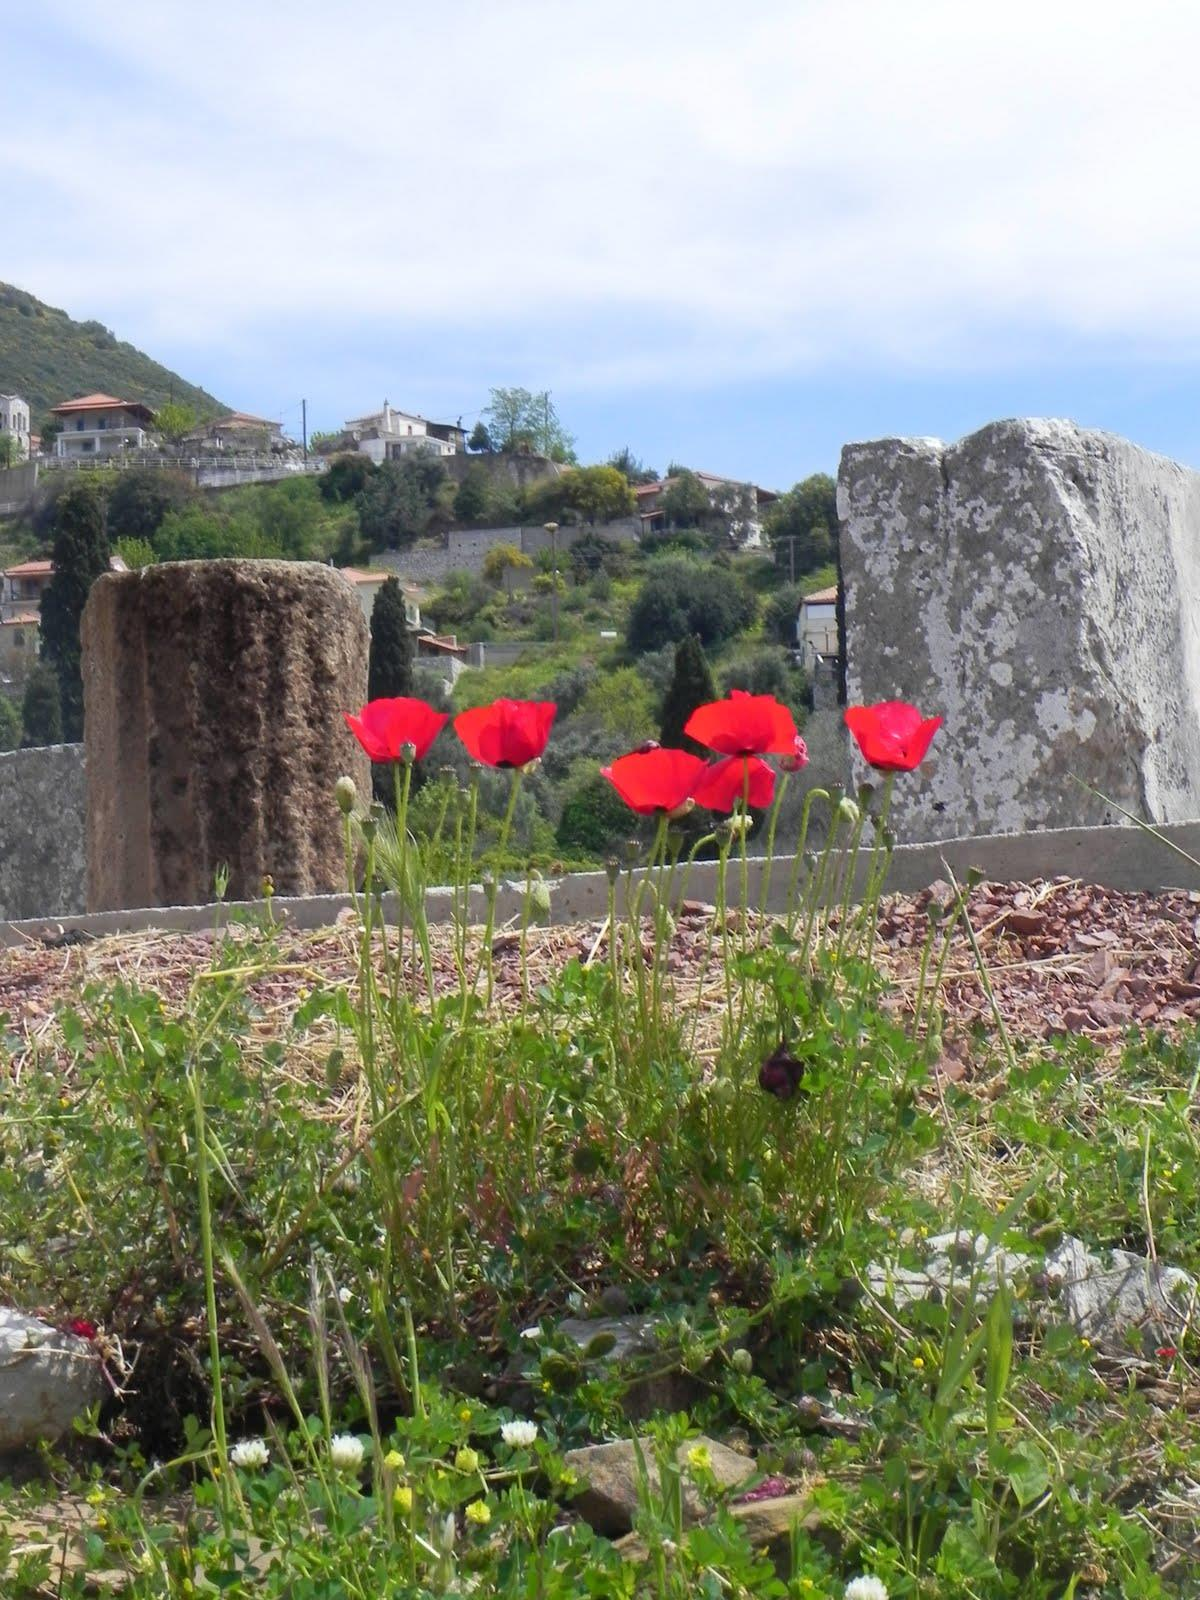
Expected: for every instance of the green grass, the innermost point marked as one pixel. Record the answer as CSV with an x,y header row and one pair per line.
x,y
314,1203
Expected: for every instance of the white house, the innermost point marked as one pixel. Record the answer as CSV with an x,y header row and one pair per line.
x,y
390,434
368,584
816,627
101,425
740,502
14,419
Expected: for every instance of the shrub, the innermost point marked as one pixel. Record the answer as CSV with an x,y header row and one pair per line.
x,y
594,817
767,670
502,558
41,709
10,724
623,706
780,613
141,498
679,599
345,477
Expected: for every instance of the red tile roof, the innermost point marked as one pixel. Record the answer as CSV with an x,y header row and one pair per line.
x,y
101,402
30,569
822,596
26,619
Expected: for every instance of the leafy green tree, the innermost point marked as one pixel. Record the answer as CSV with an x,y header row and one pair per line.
x,y
41,708
50,431
173,420
598,493
518,419
141,498
679,598
10,724
322,444
345,476
390,669
397,501
780,614
801,526
480,439
471,497
502,558
81,554
691,685
636,471
686,502
10,450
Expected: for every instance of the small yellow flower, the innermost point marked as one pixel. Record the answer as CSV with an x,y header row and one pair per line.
x,y
699,1459
394,1461
464,1414
95,1495
64,1100
1086,1343
807,1583
479,1512
466,1460
569,1478
918,1362
402,1498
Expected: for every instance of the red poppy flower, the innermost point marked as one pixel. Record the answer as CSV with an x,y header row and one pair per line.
x,y
655,780
384,727
744,725
892,736
724,784
82,1328
797,759
508,733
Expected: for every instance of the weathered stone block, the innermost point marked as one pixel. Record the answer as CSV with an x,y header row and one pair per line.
x,y
213,700
47,1379
1037,584
41,832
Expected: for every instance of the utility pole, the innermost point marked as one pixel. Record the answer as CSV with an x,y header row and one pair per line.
x,y
552,529
304,427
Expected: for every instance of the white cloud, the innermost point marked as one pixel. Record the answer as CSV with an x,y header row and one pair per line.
x,y
690,188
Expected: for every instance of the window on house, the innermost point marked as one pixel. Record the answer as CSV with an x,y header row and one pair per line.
x,y
78,424
18,639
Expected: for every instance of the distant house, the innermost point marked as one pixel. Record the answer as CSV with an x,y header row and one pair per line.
x,y
367,585
817,629
741,502
18,644
390,435
21,589
14,420
237,433
22,586
101,425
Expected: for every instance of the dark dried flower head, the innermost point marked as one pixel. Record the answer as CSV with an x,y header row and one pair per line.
x,y
780,1074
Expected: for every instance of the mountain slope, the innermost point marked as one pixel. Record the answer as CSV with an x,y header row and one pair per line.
x,y
46,357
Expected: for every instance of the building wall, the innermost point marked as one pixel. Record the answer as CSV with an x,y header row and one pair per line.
x,y
16,488
464,549
42,872
14,419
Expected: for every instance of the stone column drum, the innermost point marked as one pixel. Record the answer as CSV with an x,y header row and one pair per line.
x,y
214,735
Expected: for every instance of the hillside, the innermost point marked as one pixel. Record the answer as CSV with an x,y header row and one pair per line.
x,y
46,356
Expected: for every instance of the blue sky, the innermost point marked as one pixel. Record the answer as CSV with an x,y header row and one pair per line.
x,y
732,236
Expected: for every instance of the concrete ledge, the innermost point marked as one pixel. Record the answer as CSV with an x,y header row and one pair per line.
x,y
1117,858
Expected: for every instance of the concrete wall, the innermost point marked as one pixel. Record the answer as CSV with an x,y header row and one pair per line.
x,y
42,869
17,485
465,549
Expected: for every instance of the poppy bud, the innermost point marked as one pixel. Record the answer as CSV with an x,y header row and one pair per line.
x,y
742,1361
408,753
847,811
647,745
613,868
539,897
681,811
798,758
345,791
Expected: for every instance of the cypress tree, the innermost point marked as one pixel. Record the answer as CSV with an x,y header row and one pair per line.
x,y
390,672
41,713
81,554
691,686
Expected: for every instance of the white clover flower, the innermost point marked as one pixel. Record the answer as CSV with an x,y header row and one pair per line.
x,y
250,1454
345,1295
866,1588
346,1452
519,1435
533,1334
450,1532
